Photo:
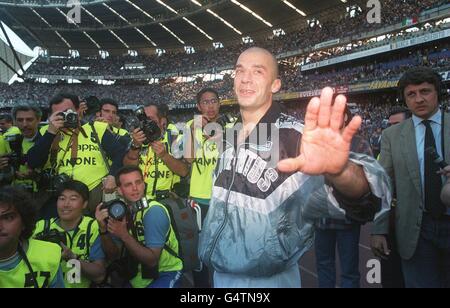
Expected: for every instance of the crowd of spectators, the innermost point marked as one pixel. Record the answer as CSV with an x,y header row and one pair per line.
x,y
393,11
173,93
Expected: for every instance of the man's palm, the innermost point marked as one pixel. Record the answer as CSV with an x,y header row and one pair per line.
x,y
325,146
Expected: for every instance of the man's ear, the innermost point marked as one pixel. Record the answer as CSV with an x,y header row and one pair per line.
x,y
85,204
276,85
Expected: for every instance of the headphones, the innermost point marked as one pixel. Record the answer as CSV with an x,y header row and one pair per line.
x,y
441,87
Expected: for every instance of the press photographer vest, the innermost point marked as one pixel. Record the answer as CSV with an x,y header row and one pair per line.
x,y
203,166
4,148
26,146
167,262
44,258
158,171
79,242
89,167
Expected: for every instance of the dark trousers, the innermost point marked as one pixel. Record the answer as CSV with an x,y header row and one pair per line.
x,y
201,278
391,268
430,265
347,243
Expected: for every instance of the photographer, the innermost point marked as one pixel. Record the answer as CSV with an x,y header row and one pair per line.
x,y
108,113
202,153
25,262
6,125
78,152
77,234
155,159
27,119
149,245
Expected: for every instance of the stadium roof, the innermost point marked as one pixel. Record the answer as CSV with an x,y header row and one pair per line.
x,y
120,25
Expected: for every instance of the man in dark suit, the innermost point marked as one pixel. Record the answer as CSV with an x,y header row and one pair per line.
x,y
422,221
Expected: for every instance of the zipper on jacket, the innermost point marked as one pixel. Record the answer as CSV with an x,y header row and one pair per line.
x,y
222,226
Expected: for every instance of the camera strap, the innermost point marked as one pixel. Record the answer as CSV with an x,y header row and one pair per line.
x,y
28,264
102,152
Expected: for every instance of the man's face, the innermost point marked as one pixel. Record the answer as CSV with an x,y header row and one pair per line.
x,y
152,114
70,205
422,99
63,106
255,80
396,118
132,186
109,113
209,106
11,227
4,125
28,122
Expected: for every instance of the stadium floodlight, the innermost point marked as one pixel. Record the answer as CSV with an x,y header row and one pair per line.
x,y
103,54
73,53
132,53
279,32
247,40
189,49
217,45
160,51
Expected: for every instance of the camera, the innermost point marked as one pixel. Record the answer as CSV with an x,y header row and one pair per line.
x,y
51,182
149,128
15,158
225,119
53,236
70,118
117,209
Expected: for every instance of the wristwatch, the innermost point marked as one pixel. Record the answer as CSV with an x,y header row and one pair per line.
x,y
133,146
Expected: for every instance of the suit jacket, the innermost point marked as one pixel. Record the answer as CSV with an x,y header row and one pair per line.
x,y
399,159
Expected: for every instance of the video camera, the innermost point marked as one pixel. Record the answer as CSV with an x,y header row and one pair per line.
x,y
149,128
70,118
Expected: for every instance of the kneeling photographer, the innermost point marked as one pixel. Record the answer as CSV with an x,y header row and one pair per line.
x,y
81,152
151,150
148,249
77,235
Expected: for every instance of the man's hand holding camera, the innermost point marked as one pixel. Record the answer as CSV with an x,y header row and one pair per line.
x,y
118,228
67,254
101,215
4,161
138,137
55,123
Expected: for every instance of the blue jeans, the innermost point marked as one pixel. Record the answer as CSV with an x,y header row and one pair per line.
x,y
347,242
430,265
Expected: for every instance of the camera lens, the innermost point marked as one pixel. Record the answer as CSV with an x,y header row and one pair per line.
x,y
117,210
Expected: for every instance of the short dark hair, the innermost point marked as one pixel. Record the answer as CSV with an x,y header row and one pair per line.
x,y
206,90
7,117
57,99
164,110
26,107
419,75
400,109
76,186
22,202
126,170
108,101
159,112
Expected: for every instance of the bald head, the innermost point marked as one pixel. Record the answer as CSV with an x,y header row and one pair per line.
x,y
269,58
